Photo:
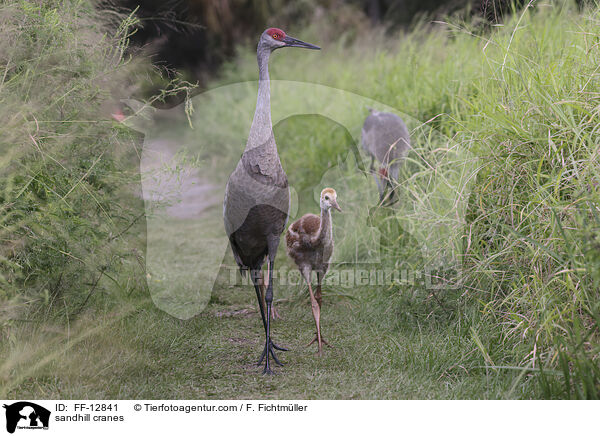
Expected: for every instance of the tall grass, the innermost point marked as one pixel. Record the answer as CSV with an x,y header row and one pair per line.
x,y
66,167
535,207
72,233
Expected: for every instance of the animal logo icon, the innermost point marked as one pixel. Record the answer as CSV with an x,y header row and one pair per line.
x,y
27,415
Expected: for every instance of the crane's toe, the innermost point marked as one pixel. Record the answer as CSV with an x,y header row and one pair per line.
x,y
270,349
316,339
268,371
279,347
275,313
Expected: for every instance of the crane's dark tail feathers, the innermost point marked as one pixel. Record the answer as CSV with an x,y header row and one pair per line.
x,y
236,256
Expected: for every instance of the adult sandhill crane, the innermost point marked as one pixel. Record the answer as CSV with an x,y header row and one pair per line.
x,y
256,204
385,138
309,243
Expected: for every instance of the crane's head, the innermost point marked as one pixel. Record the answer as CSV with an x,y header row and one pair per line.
x,y
275,38
329,199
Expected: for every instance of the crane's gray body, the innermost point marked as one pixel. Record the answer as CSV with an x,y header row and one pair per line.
x,y
256,207
386,139
257,198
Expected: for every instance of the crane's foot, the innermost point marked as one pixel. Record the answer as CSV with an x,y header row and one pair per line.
x,y
271,350
275,314
316,339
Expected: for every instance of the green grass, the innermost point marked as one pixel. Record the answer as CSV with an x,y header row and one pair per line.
x,y
141,352
518,103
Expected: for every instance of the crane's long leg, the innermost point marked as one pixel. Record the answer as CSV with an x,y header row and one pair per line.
x,y
268,344
259,285
391,198
319,298
316,310
383,184
275,314
318,295
257,281
273,243
376,177
390,181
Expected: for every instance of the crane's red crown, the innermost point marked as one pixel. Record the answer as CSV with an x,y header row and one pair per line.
x,y
276,33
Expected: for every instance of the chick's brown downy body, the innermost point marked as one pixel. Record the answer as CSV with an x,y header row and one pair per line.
x,y
309,242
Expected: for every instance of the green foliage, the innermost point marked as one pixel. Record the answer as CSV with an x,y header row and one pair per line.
x,y
64,164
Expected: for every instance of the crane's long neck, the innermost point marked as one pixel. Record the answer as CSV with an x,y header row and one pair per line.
x,y
325,230
261,131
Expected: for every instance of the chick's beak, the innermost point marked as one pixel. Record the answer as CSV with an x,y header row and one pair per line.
x,y
336,206
293,42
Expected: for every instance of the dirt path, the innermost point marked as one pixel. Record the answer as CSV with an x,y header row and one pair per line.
x,y
180,185
186,241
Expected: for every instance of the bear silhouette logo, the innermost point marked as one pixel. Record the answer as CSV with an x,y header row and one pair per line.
x,y
24,414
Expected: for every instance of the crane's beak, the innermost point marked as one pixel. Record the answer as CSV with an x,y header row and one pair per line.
x,y
336,206
293,42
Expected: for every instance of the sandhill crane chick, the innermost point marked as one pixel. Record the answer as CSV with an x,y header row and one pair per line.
x,y
310,245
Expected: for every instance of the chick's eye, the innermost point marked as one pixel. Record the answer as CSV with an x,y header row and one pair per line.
x,y
327,197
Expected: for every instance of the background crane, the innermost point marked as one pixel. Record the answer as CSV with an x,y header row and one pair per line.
x,y
385,138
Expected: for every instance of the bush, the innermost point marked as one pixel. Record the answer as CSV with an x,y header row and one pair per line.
x,y
65,167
